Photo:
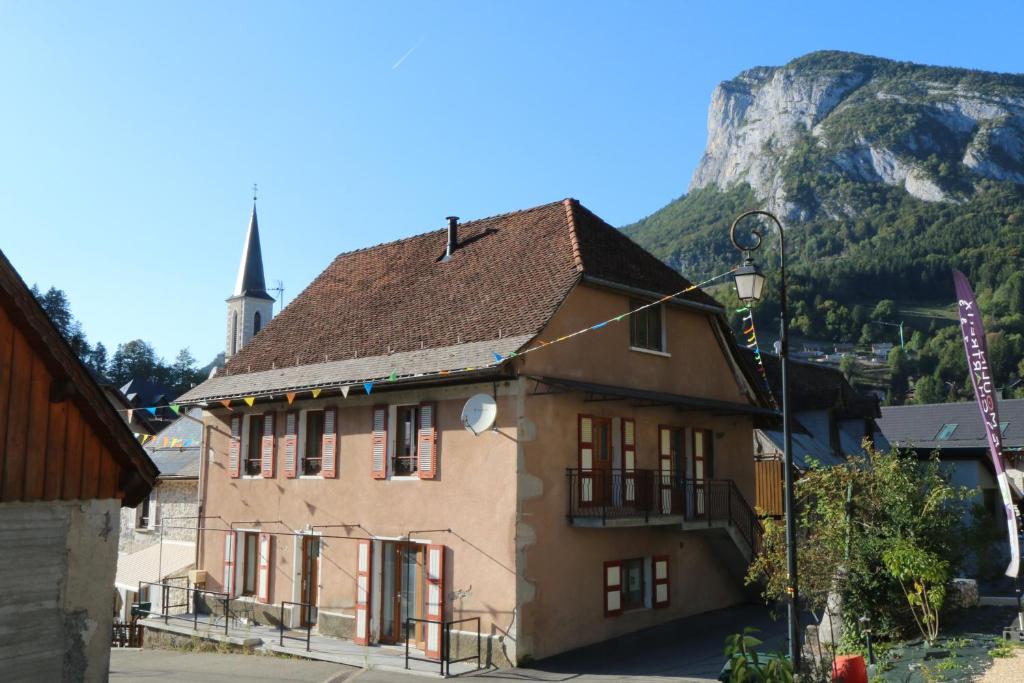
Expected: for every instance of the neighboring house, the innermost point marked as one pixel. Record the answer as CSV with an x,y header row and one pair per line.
x,y
152,398
956,432
831,420
882,350
612,494
69,463
158,537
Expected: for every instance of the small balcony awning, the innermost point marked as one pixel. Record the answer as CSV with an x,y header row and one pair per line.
x,y
645,398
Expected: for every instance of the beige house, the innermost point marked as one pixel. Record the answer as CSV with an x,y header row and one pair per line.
x,y
612,493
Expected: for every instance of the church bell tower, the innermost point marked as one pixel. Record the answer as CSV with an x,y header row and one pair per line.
x,y
249,306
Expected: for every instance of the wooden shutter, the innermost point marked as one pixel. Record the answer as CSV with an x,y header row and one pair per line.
x,y
364,549
229,563
435,600
154,508
612,588
661,590
426,442
263,578
629,459
379,461
664,474
586,458
234,451
267,446
329,451
291,443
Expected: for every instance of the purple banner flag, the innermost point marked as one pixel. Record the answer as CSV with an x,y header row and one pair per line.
x,y
984,391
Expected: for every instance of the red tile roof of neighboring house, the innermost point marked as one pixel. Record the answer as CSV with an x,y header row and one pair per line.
x,y
507,278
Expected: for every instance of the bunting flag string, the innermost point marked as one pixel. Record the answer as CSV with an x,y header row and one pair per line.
x,y
166,441
752,344
369,383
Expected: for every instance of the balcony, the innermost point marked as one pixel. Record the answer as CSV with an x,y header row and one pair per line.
x,y
621,498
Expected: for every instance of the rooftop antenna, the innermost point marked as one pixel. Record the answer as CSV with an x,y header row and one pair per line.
x,y
279,288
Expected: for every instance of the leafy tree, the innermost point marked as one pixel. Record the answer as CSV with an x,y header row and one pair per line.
x,y
922,576
884,310
929,389
98,358
899,372
896,503
851,370
136,358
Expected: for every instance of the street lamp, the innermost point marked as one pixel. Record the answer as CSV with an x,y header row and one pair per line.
x,y
750,288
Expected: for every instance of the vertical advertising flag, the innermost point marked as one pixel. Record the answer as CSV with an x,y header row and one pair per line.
x,y
984,391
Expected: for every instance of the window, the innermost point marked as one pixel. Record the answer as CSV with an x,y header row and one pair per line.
x,y
645,327
311,456
142,514
254,446
234,333
946,431
257,323
404,462
1003,427
250,561
633,584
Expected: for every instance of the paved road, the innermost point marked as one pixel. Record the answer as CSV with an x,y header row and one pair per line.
x,y
211,667
685,650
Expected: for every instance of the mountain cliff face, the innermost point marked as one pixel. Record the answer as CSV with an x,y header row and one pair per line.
x,y
935,132
876,167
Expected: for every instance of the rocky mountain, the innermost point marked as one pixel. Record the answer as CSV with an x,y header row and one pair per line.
x,y
849,150
886,175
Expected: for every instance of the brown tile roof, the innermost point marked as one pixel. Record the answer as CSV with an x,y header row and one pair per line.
x,y
507,278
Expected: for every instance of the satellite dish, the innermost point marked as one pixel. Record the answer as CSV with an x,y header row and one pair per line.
x,y
479,412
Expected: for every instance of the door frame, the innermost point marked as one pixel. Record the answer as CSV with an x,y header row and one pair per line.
x,y
601,487
395,636
300,566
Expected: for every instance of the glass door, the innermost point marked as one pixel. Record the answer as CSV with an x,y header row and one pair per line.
x,y
309,580
402,591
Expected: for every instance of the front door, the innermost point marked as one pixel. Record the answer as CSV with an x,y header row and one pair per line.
x,y
701,444
602,474
402,592
308,581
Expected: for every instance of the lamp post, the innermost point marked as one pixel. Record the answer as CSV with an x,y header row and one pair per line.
x,y
750,283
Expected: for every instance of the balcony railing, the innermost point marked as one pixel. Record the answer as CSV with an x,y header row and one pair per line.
x,y
650,495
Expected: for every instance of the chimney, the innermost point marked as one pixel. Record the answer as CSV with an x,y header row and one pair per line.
x,y
453,235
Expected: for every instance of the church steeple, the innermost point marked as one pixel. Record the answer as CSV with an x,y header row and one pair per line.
x,y
250,280
249,306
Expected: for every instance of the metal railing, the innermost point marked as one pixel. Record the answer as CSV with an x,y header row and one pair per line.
x,y
646,494
193,594
310,619
445,660
127,634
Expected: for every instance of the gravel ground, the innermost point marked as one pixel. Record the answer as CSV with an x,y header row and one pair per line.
x,y
1006,670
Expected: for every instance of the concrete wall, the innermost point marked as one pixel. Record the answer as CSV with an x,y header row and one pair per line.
x,y
57,572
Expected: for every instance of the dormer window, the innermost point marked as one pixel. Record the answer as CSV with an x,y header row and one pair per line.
x,y
645,329
946,432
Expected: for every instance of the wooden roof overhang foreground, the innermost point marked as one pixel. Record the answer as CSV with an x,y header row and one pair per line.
x,y
60,438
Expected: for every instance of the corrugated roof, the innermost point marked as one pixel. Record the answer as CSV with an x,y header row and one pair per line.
x,y
919,425
153,564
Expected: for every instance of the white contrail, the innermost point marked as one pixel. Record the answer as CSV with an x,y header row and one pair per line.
x,y
406,55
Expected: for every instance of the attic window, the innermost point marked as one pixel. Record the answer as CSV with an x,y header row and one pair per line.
x,y
946,431
1003,426
645,328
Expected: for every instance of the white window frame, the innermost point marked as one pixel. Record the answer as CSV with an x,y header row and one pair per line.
x,y
243,448
663,352
393,442
300,454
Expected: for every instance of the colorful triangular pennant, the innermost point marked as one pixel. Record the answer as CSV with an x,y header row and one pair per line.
x,y
368,386
316,393
227,403
344,391
176,408
290,396
249,400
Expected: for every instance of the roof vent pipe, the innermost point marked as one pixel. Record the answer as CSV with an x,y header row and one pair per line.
x,y
453,235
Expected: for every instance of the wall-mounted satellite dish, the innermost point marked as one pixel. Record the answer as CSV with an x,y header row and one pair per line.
x,y
479,412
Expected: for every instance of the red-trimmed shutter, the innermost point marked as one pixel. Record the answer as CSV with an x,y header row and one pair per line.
x,y
267,446
612,588
263,578
435,600
364,562
229,563
329,451
379,461
426,442
291,443
234,451
586,459
661,588
664,474
629,459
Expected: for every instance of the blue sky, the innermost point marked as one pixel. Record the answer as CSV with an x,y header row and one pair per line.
x,y
130,134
